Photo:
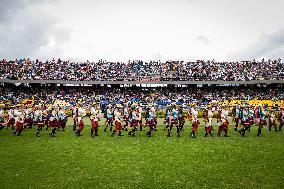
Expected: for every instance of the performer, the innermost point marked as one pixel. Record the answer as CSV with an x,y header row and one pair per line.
x,y
245,121
181,120
126,117
75,116
151,121
62,119
174,120
224,122
45,117
250,116
147,114
219,112
139,115
38,119
95,118
260,118
195,121
53,121
235,114
167,120
109,118
134,121
28,118
117,120
19,114
208,115
153,114
272,120
11,118
81,114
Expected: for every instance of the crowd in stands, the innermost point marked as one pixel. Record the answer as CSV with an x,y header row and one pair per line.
x,y
25,69
160,96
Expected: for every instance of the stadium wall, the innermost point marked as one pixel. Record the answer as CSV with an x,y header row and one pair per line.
x,y
221,82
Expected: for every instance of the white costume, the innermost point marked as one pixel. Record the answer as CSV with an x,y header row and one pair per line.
x,y
210,116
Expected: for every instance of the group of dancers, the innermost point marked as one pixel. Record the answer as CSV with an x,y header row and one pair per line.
x,y
23,117
128,118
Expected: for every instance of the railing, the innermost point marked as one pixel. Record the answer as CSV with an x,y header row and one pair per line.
x,y
133,81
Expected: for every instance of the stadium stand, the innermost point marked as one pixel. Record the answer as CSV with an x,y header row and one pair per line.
x,y
142,72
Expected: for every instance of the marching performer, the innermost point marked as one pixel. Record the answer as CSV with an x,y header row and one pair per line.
x,y
235,114
11,118
19,121
250,116
95,118
81,114
195,121
174,120
147,114
181,120
244,120
53,121
208,121
167,120
151,121
153,114
139,116
117,120
272,121
134,121
62,119
75,116
38,119
224,122
126,116
219,112
28,118
260,118
45,117
109,118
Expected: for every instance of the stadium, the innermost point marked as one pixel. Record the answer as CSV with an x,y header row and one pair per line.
x,y
137,123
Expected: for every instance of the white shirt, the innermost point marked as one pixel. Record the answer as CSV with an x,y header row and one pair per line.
x,y
224,115
210,114
117,116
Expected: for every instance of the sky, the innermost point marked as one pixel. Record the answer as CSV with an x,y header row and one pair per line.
x,y
121,30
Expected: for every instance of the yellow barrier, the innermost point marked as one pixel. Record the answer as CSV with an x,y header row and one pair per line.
x,y
269,103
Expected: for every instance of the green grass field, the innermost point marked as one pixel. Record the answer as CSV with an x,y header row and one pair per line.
x,y
67,161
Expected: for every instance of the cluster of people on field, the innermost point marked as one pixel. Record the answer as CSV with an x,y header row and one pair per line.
x,y
200,70
128,118
23,117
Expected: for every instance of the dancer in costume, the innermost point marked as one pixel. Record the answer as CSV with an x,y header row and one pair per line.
x,y
195,121
223,127
117,120
260,119
19,121
62,119
208,121
81,114
95,118
53,121
151,121
109,118
75,117
272,120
